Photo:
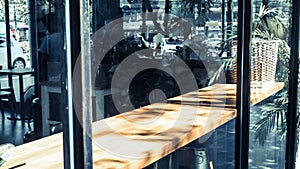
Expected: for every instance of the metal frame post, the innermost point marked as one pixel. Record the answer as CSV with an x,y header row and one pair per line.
x,y
86,84
34,45
223,22
293,89
78,43
243,84
8,41
75,143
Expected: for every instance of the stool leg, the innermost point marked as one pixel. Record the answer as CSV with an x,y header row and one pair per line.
x,y
165,163
2,109
12,100
200,159
175,160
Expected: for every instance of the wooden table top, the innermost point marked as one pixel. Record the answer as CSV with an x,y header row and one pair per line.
x,y
220,95
140,137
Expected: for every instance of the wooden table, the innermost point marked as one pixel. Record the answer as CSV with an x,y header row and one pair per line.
x,y
20,73
220,95
140,137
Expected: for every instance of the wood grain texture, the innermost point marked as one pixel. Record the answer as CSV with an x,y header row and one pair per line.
x,y
150,133
140,137
46,153
224,95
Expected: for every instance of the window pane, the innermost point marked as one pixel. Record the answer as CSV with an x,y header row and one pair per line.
x,y
20,60
152,53
269,67
298,128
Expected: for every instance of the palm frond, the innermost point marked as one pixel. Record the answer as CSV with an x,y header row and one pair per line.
x,y
217,76
268,25
229,63
262,34
274,118
264,126
263,11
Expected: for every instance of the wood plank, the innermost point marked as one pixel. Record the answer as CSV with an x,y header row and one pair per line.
x,y
152,132
130,140
260,92
46,153
224,95
140,137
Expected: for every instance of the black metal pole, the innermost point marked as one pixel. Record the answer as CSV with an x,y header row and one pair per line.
x,y
293,89
34,45
229,23
265,2
223,21
8,41
62,11
167,6
243,84
77,137
229,17
94,16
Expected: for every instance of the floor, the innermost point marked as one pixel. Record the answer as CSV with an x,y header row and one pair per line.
x,y
10,133
13,132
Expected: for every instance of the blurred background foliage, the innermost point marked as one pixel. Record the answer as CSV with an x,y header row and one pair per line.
x,y
18,10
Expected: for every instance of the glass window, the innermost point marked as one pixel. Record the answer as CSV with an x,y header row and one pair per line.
x,y
145,83
153,52
270,56
38,62
16,79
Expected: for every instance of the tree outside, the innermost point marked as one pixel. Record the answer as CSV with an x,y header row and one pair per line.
x,y
18,11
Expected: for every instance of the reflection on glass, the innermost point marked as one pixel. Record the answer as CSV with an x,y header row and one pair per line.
x,y
168,35
298,127
50,22
20,59
270,57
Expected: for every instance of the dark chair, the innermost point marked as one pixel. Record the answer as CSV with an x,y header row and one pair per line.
x,y
7,95
29,95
